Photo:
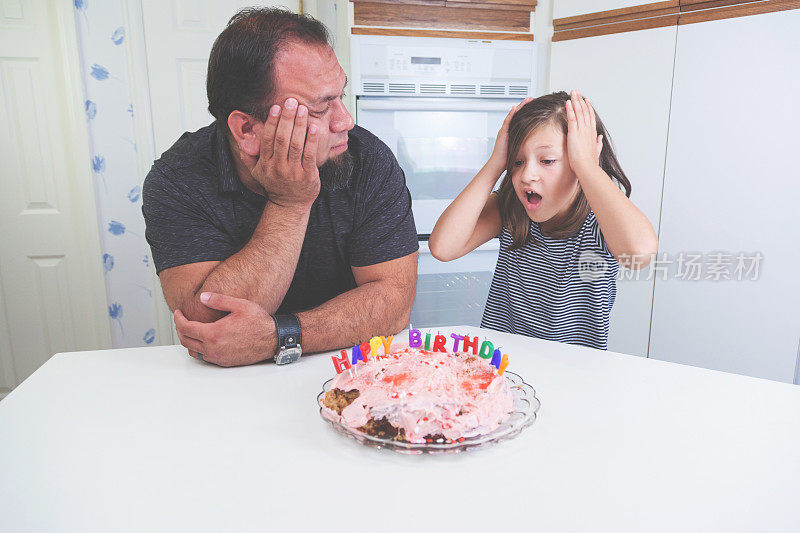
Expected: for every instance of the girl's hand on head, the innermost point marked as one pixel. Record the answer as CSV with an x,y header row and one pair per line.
x,y
583,143
500,152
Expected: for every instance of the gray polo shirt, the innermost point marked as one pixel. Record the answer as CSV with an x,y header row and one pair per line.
x,y
196,209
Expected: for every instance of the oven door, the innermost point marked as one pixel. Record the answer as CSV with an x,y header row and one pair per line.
x,y
440,143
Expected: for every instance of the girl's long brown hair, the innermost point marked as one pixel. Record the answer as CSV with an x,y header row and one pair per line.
x,y
546,110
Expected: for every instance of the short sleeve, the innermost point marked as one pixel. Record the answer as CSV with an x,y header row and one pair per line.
x,y
179,228
384,226
597,236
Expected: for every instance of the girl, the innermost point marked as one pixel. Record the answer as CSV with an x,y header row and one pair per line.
x,y
564,224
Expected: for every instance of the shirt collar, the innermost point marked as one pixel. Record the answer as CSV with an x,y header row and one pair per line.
x,y
228,178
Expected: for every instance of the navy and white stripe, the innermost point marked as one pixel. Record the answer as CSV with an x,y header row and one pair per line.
x,y
540,291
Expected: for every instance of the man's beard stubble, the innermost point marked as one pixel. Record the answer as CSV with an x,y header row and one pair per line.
x,y
335,173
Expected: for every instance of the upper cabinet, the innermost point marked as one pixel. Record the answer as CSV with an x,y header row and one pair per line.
x,y
483,15
574,8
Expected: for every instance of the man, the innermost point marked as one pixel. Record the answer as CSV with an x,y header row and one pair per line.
x,y
281,223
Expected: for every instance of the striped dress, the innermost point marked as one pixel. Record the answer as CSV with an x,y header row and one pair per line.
x,y
554,289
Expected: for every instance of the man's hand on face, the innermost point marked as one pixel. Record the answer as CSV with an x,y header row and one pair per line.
x,y
287,163
246,335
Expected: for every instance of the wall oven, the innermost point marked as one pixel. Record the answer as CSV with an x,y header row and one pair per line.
x,y
438,103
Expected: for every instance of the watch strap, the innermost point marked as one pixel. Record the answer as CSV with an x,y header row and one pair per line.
x,y
289,335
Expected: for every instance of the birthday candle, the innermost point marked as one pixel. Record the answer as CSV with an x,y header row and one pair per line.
x,y
456,338
374,342
503,365
341,363
364,350
414,338
471,342
496,358
427,341
486,350
439,343
387,343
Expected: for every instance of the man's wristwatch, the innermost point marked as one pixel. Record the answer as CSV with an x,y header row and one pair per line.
x,y
289,338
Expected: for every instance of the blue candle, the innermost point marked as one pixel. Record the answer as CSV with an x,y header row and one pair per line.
x,y
496,358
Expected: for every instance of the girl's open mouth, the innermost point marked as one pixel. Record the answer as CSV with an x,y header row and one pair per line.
x,y
533,200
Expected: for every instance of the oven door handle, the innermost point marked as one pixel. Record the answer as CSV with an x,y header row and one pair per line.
x,y
413,104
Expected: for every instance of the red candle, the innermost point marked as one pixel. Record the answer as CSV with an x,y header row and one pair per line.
x,y
439,342
341,363
364,350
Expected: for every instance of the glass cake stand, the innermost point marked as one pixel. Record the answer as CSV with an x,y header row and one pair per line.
x,y
525,407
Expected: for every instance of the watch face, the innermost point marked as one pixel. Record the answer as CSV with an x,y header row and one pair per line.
x,y
288,355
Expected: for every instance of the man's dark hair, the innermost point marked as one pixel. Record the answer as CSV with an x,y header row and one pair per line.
x,y
240,68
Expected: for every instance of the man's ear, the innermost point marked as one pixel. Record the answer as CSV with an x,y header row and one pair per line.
x,y
246,131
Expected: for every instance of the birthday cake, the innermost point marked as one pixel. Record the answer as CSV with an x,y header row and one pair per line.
x,y
416,395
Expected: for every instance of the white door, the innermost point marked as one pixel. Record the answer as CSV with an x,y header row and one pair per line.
x,y
52,292
178,37
731,190
628,77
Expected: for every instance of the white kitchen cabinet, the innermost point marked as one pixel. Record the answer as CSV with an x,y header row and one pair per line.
x,y
732,185
627,76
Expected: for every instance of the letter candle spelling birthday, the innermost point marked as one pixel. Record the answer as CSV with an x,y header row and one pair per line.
x,y
496,358
456,339
473,343
414,338
487,348
439,343
503,365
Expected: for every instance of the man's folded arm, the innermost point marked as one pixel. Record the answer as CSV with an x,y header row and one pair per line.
x,y
380,305
261,271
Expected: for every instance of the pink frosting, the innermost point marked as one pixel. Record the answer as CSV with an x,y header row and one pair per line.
x,y
427,393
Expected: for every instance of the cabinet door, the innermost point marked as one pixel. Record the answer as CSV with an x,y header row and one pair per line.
x,y
732,186
573,8
627,76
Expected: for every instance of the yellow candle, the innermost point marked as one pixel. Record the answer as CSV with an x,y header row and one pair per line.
x,y
374,342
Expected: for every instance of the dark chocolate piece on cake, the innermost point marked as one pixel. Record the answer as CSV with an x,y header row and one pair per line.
x,y
337,399
438,438
383,429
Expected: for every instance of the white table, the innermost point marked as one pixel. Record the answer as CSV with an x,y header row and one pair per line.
x,y
149,439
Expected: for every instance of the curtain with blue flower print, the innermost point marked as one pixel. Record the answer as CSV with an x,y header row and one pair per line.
x,y
109,112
